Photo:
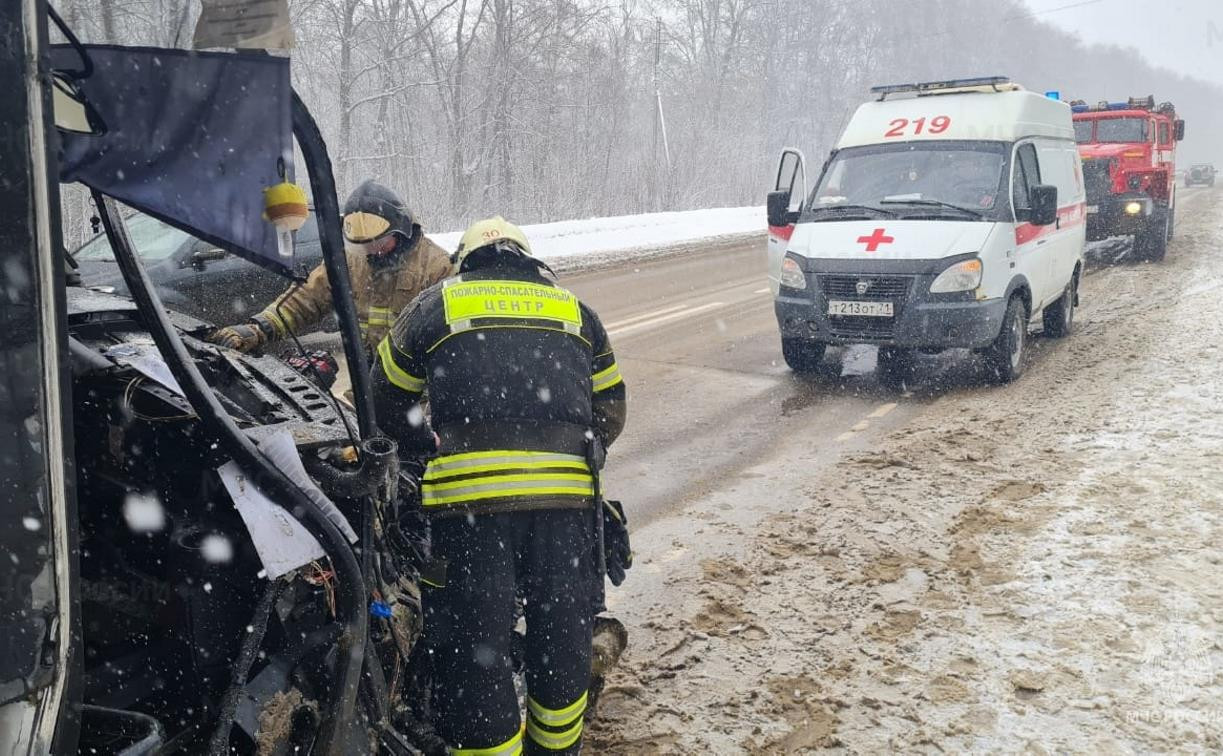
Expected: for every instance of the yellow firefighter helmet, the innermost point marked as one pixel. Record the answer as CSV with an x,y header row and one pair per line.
x,y
488,232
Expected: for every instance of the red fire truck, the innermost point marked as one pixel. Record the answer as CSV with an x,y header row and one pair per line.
x,y
1129,158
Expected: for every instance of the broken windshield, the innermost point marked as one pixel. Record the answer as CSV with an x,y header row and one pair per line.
x,y
152,239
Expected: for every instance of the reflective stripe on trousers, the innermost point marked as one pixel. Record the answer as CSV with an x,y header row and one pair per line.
x,y
555,729
511,747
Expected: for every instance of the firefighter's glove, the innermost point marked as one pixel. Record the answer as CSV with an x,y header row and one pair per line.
x,y
616,548
244,337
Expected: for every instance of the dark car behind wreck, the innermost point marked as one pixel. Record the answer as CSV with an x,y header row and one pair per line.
x,y
193,276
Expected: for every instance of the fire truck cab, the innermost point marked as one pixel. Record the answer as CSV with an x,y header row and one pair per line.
x,y
1129,161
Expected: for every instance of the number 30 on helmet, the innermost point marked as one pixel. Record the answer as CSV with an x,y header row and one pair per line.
x,y
490,232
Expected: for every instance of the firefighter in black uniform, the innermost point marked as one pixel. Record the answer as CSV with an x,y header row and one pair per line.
x,y
521,382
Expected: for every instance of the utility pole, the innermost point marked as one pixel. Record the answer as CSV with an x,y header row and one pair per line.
x,y
660,124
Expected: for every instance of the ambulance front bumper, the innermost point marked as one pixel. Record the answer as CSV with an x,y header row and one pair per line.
x,y
919,319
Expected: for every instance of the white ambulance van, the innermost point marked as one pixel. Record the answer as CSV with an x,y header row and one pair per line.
x,y
950,214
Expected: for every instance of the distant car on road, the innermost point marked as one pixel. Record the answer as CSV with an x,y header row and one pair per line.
x,y
192,276
1200,174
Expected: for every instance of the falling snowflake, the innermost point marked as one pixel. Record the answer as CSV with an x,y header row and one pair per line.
x,y
144,512
217,549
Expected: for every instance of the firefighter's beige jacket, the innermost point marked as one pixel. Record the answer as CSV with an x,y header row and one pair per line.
x,y
380,294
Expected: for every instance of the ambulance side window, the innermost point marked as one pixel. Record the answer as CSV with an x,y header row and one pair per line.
x,y
1026,175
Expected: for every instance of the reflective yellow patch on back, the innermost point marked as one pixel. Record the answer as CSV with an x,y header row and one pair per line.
x,y
465,300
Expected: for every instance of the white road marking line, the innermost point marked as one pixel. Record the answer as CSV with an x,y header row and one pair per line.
x,y
845,436
765,290
685,313
644,316
883,409
861,426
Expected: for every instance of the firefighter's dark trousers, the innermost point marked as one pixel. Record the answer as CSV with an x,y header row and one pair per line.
x,y
548,554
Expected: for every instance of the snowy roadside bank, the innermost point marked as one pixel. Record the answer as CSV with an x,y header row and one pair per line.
x,y
598,242
1024,567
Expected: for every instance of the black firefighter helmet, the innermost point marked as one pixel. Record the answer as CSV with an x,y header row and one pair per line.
x,y
378,224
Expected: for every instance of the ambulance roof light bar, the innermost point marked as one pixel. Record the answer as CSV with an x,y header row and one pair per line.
x,y
998,83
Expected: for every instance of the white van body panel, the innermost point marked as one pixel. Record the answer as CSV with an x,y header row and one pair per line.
x,y
911,239
993,116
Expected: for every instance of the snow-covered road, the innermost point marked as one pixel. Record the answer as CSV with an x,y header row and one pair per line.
x,y
826,564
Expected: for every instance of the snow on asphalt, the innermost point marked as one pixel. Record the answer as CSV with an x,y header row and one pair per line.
x,y
1028,567
579,242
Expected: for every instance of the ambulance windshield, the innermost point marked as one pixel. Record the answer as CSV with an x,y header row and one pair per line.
x,y
934,179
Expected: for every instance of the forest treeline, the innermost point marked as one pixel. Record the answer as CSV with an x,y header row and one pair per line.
x,y
549,109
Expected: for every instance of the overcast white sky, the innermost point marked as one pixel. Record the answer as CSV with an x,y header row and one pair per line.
x,y
1183,35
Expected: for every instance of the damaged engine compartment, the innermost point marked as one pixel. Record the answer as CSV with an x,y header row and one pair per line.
x,y
190,615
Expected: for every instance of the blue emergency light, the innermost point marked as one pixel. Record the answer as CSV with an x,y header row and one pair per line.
x,y
1078,106
1053,94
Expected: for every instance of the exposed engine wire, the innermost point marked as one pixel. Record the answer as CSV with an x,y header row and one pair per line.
x,y
352,438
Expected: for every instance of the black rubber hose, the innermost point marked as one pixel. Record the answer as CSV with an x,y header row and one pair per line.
x,y
379,460
218,745
350,593
327,211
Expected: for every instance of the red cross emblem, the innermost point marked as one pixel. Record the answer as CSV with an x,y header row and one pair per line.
x,y
873,241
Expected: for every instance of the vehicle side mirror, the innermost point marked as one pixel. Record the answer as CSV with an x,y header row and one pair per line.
x,y
1044,204
1179,128
72,111
201,257
779,211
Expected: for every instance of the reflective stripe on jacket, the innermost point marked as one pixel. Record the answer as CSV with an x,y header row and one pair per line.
x,y
505,477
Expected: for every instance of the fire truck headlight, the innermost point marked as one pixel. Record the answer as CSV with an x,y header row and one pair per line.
x,y
1133,208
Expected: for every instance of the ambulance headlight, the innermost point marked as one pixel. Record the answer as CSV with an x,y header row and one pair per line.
x,y
963,276
792,275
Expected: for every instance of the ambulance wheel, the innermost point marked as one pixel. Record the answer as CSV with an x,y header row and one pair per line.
x,y
895,366
802,355
1006,356
1059,316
